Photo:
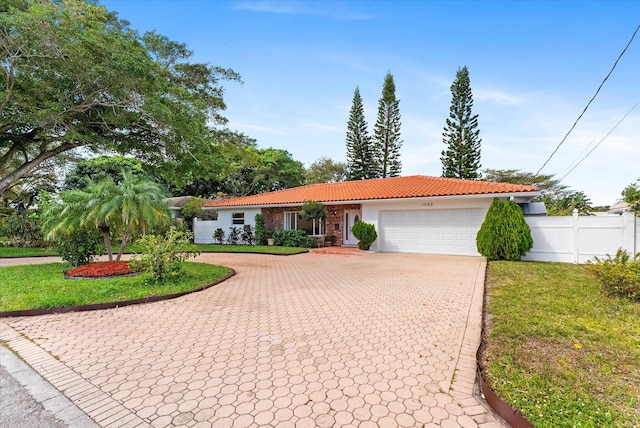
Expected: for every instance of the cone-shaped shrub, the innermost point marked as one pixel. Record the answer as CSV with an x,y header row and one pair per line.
x,y
365,233
504,235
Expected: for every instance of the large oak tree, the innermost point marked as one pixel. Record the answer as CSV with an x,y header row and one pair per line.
x,y
75,76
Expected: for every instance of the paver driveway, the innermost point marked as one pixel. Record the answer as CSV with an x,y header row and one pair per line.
x,y
313,340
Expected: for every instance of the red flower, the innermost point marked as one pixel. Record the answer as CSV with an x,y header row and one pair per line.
x,y
102,269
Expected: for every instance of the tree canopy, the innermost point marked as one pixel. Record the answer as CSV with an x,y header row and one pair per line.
x,y
563,203
546,183
325,170
85,79
249,170
100,168
461,158
558,198
631,195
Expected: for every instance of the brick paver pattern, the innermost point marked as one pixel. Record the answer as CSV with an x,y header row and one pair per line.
x,y
313,340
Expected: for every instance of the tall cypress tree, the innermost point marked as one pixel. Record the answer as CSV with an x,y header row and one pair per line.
x,y
461,158
386,135
360,161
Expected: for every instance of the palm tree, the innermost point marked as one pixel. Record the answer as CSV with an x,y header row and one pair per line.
x,y
135,202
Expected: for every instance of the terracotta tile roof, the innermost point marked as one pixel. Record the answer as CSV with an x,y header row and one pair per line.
x,y
414,186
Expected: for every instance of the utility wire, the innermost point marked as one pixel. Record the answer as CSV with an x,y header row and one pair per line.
x,y
593,140
603,138
590,101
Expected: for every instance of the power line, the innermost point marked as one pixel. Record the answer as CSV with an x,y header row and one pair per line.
x,y
593,140
590,101
603,138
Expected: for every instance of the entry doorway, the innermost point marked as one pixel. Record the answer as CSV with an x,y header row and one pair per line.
x,y
350,217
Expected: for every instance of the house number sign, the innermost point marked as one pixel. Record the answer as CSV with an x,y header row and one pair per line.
x,y
427,204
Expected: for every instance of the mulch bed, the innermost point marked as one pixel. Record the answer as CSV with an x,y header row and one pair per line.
x,y
100,270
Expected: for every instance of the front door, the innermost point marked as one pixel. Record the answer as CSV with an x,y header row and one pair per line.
x,y
350,217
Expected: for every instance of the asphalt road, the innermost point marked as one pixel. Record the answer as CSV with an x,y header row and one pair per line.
x,y
28,401
20,409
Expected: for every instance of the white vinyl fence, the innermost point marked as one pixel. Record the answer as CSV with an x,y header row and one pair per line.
x,y
578,239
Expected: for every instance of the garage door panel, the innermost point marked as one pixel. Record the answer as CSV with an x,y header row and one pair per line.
x,y
431,231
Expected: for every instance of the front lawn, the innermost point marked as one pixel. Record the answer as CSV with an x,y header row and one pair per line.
x,y
44,286
26,252
559,349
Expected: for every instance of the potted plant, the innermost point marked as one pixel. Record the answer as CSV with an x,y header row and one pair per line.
x,y
329,240
269,235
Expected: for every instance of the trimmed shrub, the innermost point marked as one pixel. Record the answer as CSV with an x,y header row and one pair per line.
x,y
234,235
365,233
218,235
79,247
504,234
163,255
261,231
293,238
247,235
619,275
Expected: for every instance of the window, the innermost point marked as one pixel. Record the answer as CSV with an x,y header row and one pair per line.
x,y
290,220
293,221
238,218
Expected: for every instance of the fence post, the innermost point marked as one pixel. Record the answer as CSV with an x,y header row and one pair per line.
x,y
629,235
575,238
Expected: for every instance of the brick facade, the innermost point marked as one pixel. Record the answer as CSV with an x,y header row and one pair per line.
x,y
274,218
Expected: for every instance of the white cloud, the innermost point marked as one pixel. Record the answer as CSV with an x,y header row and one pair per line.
x,y
244,127
497,97
324,127
330,10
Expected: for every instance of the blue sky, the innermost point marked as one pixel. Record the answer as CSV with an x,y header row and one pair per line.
x,y
533,68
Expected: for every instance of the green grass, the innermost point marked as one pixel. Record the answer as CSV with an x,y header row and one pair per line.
x,y
559,349
26,252
44,286
203,248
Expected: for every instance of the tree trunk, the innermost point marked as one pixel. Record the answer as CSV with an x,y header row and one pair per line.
x,y
125,238
107,244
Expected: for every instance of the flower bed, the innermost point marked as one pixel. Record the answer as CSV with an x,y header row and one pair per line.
x,y
100,270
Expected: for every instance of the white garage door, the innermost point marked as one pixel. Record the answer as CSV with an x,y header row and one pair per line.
x,y
431,231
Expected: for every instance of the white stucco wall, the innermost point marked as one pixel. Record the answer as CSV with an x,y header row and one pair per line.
x,y
203,230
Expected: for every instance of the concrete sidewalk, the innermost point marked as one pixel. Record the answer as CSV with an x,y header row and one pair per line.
x,y
378,340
